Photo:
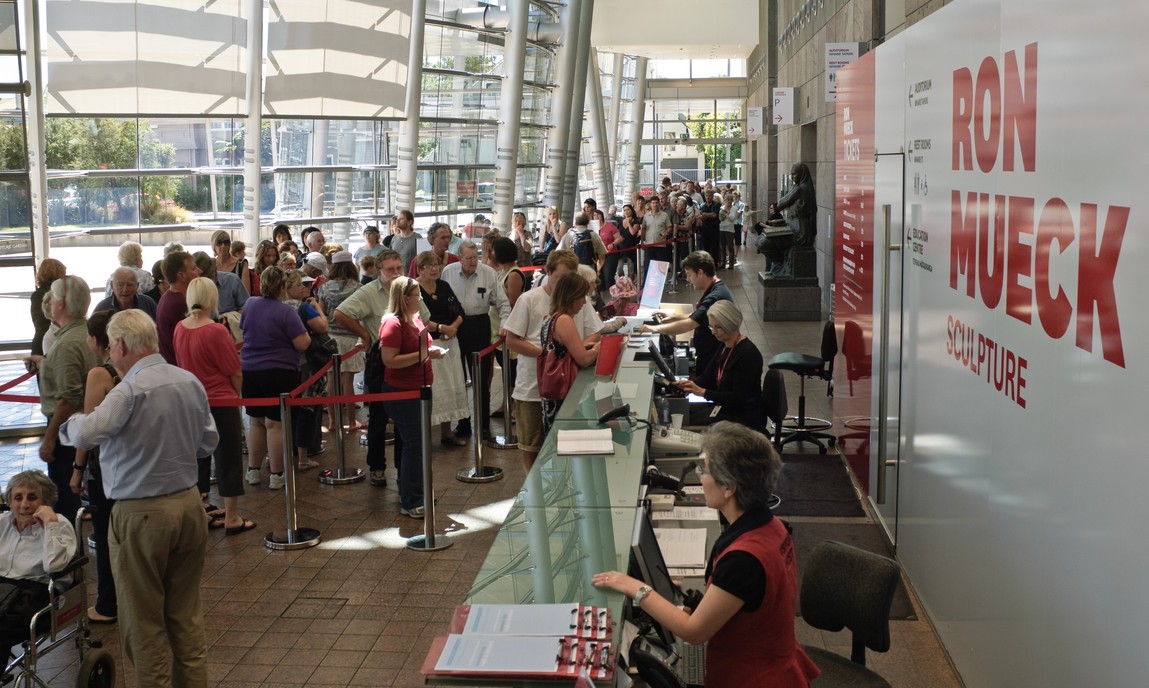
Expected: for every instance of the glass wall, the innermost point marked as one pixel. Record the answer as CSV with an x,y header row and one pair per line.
x,y
156,179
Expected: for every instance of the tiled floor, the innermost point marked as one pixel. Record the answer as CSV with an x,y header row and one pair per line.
x,y
360,609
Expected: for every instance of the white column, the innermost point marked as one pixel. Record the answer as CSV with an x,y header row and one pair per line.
x,y
600,155
408,163
510,114
639,111
317,156
252,153
615,106
561,98
37,163
571,198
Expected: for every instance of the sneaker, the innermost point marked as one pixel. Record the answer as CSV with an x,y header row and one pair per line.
x,y
275,482
416,512
253,477
379,478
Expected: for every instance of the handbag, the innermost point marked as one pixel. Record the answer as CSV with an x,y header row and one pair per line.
x,y
556,372
320,350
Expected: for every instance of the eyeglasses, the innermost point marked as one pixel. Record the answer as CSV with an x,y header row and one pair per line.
x,y
701,470
223,241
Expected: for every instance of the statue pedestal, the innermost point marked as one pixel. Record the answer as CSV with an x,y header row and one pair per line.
x,y
789,298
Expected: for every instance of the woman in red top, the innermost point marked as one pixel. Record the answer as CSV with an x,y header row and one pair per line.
x,y
205,349
406,349
748,609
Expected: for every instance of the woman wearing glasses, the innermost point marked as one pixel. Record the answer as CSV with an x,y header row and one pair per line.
x,y
732,383
751,577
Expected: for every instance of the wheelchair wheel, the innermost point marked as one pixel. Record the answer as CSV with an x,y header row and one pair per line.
x,y
98,670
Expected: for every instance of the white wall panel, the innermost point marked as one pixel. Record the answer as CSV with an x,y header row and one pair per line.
x,y
337,58
151,57
1021,526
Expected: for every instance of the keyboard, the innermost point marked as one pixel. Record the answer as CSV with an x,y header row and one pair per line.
x,y
668,440
691,664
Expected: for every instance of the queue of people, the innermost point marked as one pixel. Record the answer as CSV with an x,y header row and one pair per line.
x,y
423,329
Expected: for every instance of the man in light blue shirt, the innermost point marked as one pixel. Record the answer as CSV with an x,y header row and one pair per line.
x,y
478,288
158,533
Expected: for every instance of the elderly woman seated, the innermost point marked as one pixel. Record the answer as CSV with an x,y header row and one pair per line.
x,y
732,383
34,542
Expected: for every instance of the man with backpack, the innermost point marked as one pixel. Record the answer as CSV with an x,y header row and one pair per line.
x,y
587,245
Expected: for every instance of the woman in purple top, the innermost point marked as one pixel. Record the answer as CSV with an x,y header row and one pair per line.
x,y
273,336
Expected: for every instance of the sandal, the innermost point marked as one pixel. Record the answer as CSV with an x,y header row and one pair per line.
x,y
308,465
214,511
216,523
236,530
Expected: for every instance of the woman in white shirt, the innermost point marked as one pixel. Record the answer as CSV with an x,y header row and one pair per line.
x,y
34,542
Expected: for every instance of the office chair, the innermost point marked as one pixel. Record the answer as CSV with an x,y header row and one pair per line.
x,y
806,366
854,350
774,403
846,587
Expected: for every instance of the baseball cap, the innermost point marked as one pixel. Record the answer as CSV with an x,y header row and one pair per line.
x,y
317,261
341,257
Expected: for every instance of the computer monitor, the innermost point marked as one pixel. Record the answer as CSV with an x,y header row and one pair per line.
x,y
647,563
656,356
652,288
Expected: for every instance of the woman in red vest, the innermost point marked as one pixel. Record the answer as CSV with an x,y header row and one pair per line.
x,y
747,613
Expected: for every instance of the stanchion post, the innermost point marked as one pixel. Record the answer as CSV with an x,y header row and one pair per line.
x,y
478,473
339,476
294,537
507,440
429,541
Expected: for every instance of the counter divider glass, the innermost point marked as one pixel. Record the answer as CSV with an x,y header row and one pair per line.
x,y
575,515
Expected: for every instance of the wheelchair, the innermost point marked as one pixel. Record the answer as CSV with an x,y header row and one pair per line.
x,y
64,620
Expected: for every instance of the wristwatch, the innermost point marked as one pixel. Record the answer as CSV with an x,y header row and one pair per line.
x,y
640,595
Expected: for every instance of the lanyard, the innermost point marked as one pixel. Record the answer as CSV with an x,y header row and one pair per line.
x,y
722,368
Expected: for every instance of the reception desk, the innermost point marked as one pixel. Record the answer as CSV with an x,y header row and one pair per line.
x,y
575,515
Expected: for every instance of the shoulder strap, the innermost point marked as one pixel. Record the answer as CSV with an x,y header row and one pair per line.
x,y
112,371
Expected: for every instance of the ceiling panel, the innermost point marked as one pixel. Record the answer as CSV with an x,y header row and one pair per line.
x,y
676,29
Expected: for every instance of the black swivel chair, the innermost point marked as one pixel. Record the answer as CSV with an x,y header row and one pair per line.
x,y
846,587
774,404
821,367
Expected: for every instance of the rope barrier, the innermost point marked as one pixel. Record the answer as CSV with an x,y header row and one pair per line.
x,y
310,381
351,352
19,398
23,378
492,348
227,402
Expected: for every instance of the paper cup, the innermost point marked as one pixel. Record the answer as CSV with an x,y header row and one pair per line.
x,y
676,420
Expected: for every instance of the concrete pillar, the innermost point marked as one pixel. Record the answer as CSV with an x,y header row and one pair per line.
x,y
561,99
37,163
615,115
252,138
574,137
407,166
317,156
600,154
639,111
510,114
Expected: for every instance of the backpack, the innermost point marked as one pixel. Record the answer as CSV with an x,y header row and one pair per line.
x,y
583,247
373,369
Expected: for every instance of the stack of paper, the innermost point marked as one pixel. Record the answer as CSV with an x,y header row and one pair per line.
x,y
582,442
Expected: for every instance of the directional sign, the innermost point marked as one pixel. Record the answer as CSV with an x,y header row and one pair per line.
x,y
754,121
838,55
782,111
